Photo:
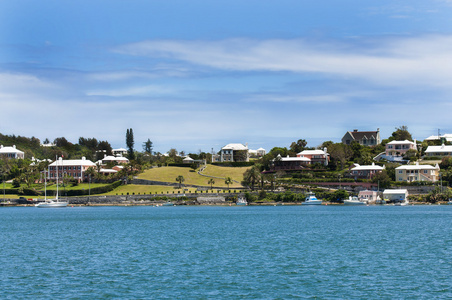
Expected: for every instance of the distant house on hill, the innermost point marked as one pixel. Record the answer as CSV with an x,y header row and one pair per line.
x,y
365,138
11,152
119,152
365,172
417,172
289,163
316,156
233,152
439,151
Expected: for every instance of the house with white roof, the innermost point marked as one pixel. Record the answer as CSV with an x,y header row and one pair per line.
x,y
257,153
289,163
234,152
119,152
113,159
365,171
316,156
440,151
395,195
417,172
368,196
445,138
74,168
399,148
11,152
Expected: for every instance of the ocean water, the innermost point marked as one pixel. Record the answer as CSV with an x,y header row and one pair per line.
x,y
281,252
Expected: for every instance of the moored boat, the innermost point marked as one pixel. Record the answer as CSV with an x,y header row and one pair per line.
x,y
353,200
241,201
311,199
51,203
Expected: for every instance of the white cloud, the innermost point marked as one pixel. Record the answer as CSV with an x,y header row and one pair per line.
x,y
389,61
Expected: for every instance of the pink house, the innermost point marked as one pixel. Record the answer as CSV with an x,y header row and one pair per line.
x,y
399,148
74,168
316,156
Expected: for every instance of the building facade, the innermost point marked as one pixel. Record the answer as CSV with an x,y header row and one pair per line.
x,y
399,148
316,156
11,152
365,172
74,168
417,172
365,138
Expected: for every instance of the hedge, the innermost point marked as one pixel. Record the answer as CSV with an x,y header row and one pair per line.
x,y
234,164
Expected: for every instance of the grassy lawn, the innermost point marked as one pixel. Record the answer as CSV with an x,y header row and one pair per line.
x,y
151,189
169,174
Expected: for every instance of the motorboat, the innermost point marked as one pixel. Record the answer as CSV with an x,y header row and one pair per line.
x,y
311,199
353,200
402,203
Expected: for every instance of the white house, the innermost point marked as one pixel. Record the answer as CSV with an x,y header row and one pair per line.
x,y
230,153
116,160
440,151
289,163
119,152
11,152
395,195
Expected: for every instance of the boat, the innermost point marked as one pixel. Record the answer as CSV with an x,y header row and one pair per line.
x,y
450,201
402,203
169,203
353,200
241,201
51,203
311,199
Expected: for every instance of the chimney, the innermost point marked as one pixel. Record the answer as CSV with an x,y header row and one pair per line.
x,y
355,130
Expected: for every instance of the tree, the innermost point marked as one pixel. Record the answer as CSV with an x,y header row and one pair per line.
x,y
211,182
130,143
251,176
147,146
228,181
180,179
383,179
401,134
298,146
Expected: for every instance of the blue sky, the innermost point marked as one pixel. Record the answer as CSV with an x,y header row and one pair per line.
x,y
196,75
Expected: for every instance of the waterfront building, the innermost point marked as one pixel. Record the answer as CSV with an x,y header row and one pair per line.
x,y
395,195
11,152
417,172
365,138
74,168
368,196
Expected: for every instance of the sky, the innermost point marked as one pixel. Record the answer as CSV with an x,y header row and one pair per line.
x,y
197,75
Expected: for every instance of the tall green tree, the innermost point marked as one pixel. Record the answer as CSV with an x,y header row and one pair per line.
x,y
130,143
147,146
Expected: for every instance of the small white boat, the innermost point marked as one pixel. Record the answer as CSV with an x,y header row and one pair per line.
x,y
241,201
402,203
450,201
169,203
353,200
311,199
50,203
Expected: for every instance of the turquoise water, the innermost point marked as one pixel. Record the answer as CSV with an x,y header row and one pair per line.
x,y
280,252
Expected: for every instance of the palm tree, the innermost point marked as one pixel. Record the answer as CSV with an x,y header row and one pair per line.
x,y
211,182
180,179
228,181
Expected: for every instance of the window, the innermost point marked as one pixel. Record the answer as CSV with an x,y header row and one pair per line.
x,y
425,171
400,172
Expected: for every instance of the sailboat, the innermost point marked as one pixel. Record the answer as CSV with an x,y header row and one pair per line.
x,y
49,203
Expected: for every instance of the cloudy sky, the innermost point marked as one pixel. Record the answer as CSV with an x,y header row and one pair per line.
x,y
196,75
